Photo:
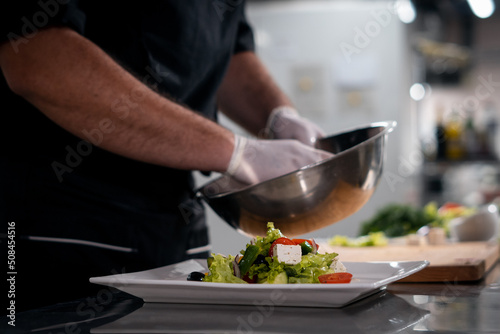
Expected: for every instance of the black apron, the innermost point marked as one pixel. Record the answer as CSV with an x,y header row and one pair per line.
x,y
81,211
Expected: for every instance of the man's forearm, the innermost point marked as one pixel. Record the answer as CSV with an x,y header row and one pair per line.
x,y
248,93
78,86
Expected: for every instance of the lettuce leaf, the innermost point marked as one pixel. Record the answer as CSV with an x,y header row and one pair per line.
x,y
264,243
269,273
372,239
312,266
221,270
307,271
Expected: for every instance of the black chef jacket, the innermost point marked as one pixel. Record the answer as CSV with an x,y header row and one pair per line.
x,y
80,211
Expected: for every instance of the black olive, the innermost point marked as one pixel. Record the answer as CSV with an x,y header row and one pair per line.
x,y
260,259
196,276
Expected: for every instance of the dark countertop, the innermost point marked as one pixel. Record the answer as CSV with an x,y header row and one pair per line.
x,y
450,307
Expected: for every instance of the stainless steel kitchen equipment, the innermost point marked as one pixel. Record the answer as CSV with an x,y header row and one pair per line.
x,y
311,197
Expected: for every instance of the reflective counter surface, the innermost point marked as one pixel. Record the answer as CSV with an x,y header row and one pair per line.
x,y
447,307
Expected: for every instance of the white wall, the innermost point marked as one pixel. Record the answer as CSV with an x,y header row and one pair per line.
x,y
343,63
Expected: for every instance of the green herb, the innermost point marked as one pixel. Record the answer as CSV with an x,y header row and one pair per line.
x,y
397,220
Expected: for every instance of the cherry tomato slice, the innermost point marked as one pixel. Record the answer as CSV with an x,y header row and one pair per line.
x,y
281,241
335,278
449,206
299,241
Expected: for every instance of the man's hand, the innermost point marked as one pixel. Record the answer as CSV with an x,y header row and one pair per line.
x,y
286,123
250,97
254,161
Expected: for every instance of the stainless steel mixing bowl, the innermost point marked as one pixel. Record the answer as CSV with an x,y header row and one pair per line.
x,y
311,197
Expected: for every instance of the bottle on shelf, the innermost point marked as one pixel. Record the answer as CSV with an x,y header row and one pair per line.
x,y
453,131
491,129
440,136
471,137
486,128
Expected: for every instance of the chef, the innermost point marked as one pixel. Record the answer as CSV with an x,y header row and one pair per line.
x,y
108,107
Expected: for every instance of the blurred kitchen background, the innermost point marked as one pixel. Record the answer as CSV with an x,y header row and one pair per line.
x,y
433,66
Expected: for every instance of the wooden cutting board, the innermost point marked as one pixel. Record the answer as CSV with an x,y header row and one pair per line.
x,y
451,262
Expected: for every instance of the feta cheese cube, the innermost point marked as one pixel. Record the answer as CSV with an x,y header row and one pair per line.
x,y
338,266
289,254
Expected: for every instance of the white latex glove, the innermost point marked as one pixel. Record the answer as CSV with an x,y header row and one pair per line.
x,y
254,161
286,123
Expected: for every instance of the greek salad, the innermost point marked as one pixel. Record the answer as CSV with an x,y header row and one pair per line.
x,y
275,259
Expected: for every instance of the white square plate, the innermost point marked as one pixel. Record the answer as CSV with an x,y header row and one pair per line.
x,y
169,284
